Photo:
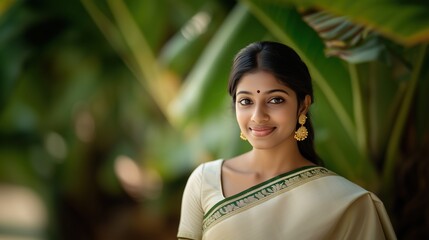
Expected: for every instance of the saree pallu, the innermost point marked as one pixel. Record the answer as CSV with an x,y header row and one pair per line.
x,y
308,203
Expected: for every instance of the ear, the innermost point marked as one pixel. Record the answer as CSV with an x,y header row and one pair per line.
x,y
305,105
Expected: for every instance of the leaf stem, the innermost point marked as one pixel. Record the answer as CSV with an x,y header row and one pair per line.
x,y
110,32
359,113
149,72
392,153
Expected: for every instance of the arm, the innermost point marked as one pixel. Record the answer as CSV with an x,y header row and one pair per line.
x,y
191,216
365,218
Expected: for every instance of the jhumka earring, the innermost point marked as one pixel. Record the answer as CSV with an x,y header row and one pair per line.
x,y
243,137
302,132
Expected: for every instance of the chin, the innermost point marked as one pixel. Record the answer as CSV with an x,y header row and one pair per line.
x,y
265,144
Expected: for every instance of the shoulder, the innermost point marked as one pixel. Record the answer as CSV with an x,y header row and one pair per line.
x,y
204,170
204,185
338,185
334,188
208,166
340,188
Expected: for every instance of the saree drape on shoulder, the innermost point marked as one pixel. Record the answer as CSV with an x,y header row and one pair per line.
x,y
308,203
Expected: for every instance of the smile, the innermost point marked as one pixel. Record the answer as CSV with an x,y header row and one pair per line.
x,y
261,131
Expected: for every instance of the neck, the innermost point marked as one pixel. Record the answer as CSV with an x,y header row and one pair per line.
x,y
272,162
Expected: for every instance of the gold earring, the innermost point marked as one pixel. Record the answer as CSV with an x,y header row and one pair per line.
x,y
302,132
243,137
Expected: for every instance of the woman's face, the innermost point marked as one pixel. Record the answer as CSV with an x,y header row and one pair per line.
x,y
266,110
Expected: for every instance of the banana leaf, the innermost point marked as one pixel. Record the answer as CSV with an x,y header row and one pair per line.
x,y
404,22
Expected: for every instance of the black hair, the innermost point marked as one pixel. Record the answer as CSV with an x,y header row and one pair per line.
x,y
286,65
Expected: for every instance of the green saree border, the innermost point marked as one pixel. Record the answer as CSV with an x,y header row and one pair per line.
x,y
262,192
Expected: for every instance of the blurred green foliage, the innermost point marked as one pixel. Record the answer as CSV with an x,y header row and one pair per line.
x,y
107,105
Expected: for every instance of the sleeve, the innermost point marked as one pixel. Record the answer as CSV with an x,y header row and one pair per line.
x,y
191,216
365,218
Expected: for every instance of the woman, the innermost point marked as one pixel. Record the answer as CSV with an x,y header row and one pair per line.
x,y
279,189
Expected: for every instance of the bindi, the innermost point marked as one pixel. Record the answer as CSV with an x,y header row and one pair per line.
x,y
258,91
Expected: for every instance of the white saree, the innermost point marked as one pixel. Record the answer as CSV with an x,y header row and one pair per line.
x,y
308,203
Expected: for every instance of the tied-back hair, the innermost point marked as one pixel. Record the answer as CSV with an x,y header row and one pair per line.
x,y
285,64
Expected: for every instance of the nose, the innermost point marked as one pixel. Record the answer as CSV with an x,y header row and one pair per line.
x,y
260,114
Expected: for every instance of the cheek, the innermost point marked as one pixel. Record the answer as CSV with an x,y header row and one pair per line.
x,y
241,117
288,118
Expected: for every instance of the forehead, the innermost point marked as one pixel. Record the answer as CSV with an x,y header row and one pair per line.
x,y
260,80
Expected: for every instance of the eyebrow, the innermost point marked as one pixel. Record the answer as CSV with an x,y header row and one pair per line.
x,y
267,92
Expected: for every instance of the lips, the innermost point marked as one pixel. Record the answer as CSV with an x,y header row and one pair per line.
x,y
261,131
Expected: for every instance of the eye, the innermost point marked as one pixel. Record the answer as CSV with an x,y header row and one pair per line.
x,y
276,100
245,101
